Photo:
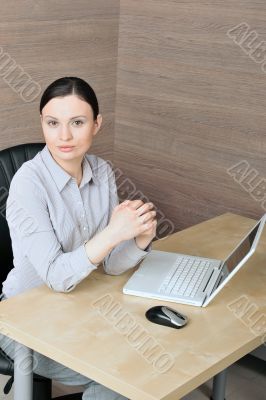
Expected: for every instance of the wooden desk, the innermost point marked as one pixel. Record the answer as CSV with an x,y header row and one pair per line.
x,y
77,330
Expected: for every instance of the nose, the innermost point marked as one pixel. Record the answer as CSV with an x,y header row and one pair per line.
x,y
65,133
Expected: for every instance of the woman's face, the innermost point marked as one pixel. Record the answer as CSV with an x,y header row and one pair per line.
x,y
68,121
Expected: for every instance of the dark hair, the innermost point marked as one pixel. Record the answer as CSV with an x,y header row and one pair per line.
x,y
71,85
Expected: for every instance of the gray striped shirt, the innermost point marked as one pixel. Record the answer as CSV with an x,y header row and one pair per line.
x,y
49,218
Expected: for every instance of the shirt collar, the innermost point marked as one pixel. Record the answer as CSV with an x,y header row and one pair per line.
x,y
60,176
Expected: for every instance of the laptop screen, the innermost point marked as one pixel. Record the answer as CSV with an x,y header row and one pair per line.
x,y
242,250
235,260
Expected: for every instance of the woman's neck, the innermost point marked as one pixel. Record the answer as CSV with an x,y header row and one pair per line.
x,y
72,167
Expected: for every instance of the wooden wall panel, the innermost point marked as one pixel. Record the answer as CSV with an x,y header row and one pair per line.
x,y
51,39
190,104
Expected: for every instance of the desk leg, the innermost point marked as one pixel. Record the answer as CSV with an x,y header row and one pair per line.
x,y
23,373
219,384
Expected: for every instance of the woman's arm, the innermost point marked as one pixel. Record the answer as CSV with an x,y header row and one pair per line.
x,y
32,234
100,245
127,253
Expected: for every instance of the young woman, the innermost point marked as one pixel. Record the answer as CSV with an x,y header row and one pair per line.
x,y
64,215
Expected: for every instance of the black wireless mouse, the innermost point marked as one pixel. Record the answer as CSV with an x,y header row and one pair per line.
x,y
167,316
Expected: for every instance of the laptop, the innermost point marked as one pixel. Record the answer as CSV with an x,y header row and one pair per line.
x,y
186,279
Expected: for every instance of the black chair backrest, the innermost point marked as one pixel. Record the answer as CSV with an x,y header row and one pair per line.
x,y
11,160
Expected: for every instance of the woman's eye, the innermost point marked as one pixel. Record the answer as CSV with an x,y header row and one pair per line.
x,y
78,122
52,123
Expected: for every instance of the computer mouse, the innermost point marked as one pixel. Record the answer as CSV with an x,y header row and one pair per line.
x,y
167,316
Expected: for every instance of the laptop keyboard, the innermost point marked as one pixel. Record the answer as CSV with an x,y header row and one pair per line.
x,y
185,277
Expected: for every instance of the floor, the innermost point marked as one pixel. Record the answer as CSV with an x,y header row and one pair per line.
x,y
246,381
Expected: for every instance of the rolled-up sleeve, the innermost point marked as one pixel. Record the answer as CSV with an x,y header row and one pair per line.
x,y
127,254
29,223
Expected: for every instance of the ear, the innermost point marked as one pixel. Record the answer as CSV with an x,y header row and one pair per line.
x,y
97,124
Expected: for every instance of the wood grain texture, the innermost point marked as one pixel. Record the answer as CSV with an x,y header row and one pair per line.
x,y
190,104
181,101
51,39
91,329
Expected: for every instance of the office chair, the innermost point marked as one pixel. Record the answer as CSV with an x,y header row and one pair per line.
x,y
11,160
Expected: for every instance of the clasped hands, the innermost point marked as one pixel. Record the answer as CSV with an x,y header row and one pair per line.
x,y
133,218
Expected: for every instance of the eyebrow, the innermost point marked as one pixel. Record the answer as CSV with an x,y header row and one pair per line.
x,y
78,116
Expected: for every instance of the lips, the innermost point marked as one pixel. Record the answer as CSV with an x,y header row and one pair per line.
x,y
66,148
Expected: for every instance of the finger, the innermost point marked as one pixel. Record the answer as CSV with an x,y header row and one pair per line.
x,y
145,208
124,203
135,204
149,226
147,216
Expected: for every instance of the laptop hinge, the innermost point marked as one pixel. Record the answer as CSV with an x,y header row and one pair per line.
x,y
211,281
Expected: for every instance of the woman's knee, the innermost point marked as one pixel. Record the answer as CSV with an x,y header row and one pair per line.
x,y
49,368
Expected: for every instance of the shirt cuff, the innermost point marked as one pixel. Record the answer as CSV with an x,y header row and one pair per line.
x,y
77,267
